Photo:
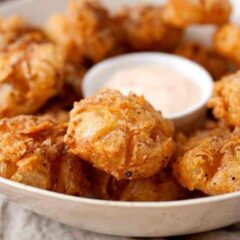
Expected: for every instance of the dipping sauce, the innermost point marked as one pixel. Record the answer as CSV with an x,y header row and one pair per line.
x,y
166,89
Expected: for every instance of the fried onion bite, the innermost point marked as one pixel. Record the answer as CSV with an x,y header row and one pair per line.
x,y
70,176
92,29
160,187
213,62
210,164
30,74
55,112
144,29
225,101
105,186
32,152
121,135
58,30
85,32
183,13
209,129
16,28
226,42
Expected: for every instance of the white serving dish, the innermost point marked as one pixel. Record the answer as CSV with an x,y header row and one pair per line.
x,y
147,219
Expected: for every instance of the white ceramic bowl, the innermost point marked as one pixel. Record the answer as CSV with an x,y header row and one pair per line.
x,y
142,219
118,218
97,76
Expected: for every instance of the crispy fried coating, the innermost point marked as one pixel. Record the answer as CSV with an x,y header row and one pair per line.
x,y
214,63
210,129
16,29
32,152
29,75
143,29
92,29
183,13
161,187
85,33
70,176
101,183
210,163
59,30
226,41
225,101
105,186
121,135
10,29
28,146
56,112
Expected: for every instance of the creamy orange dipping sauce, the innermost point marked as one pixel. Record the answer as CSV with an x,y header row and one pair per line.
x,y
166,89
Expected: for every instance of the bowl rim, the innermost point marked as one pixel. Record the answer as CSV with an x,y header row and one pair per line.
x,y
157,56
123,204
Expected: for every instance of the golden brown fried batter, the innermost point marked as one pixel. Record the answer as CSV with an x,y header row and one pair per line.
x,y
214,63
28,146
210,129
105,186
92,29
29,76
59,30
226,100
70,176
101,183
210,163
226,41
16,29
56,112
161,187
183,13
121,135
143,28
86,35
32,152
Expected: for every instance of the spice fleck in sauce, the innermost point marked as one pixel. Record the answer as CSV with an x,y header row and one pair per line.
x,y
166,89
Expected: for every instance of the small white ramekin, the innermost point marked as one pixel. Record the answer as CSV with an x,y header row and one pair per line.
x,y
96,77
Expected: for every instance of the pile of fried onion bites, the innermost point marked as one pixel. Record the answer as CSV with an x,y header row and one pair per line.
x,y
110,146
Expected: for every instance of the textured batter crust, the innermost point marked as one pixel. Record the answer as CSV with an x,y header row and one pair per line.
x,y
123,136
